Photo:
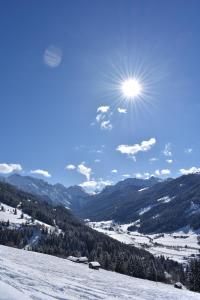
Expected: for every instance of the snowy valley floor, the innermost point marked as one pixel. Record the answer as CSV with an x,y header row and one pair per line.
x,y
179,246
27,275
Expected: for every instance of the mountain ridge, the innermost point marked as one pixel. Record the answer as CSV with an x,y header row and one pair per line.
x,y
164,207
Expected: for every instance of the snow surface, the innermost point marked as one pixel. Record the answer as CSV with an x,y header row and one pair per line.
x,y
145,209
143,189
16,220
179,246
165,199
27,275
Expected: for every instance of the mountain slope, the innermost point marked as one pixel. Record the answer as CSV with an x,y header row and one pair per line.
x,y
163,207
72,197
28,275
72,237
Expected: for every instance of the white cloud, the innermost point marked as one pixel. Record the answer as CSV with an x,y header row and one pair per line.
x,y
192,170
82,169
9,168
165,172
153,159
144,175
114,171
100,117
106,125
103,117
162,172
189,150
134,149
103,109
122,110
126,175
167,150
97,160
138,175
94,186
70,167
41,172
169,161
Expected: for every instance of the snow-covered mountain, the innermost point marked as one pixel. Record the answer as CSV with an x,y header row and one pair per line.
x,y
27,275
162,207
27,222
72,197
159,206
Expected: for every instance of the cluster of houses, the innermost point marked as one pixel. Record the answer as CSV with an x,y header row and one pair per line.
x,y
84,260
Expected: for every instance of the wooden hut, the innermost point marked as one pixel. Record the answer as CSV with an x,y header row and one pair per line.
x,y
178,285
83,260
94,265
73,258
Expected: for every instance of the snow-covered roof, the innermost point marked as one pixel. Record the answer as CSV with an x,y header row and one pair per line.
x,y
95,263
82,259
73,258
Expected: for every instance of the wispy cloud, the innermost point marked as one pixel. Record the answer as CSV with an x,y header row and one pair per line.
x,y
86,171
103,109
97,160
167,150
138,175
126,175
188,150
144,175
70,167
162,172
191,170
106,125
82,169
122,110
114,171
153,159
136,148
9,168
41,172
169,161
103,117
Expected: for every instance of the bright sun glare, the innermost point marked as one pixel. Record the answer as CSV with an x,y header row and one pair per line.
x,y
131,88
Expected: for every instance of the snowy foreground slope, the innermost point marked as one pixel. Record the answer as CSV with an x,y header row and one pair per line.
x,y
27,275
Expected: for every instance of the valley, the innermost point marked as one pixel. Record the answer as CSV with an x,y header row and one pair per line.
x,y
179,246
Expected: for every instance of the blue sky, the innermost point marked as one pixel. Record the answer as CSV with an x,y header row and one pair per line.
x,y
62,64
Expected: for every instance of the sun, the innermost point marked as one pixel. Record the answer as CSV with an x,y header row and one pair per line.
x,y
131,88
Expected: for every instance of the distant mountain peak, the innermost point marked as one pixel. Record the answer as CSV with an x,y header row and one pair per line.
x,y
71,197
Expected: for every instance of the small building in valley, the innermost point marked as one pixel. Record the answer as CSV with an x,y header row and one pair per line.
x,y
83,260
73,258
178,285
94,265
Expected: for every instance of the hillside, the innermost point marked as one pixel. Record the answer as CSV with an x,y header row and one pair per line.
x,y
72,237
157,206
27,275
72,197
163,207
